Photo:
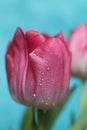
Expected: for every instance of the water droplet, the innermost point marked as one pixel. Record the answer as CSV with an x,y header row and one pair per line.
x,y
40,85
42,101
48,98
48,68
42,79
34,95
54,103
47,81
34,54
46,103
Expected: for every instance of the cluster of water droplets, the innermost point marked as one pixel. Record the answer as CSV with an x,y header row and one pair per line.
x,y
46,101
40,83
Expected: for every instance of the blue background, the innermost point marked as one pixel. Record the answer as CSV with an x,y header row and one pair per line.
x,y
47,16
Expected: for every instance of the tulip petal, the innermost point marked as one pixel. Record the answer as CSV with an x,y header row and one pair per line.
x,y
47,63
34,39
66,66
15,63
77,43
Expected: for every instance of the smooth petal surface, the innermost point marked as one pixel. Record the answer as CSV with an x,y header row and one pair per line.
x,y
77,43
34,39
16,61
66,64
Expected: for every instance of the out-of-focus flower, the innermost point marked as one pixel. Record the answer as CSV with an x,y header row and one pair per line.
x,y
38,69
77,43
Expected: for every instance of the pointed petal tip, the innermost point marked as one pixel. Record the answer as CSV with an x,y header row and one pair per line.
x,y
19,35
18,29
18,32
60,35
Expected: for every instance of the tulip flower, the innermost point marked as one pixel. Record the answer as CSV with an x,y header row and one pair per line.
x,y
38,69
77,43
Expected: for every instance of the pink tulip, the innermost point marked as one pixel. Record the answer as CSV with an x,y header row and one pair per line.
x,y
78,46
38,69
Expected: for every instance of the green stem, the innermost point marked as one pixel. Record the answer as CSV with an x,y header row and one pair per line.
x,y
40,120
34,125
80,124
27,120
83,100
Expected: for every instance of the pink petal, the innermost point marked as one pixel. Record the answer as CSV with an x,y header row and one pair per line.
x,y
16,60
34,39
66,66
38,68
47,66
77,43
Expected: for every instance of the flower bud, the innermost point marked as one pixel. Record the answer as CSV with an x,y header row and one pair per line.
x,y
38,69
77,43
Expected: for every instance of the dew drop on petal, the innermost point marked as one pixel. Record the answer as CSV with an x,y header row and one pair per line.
x,y
48,98
34,95
46,103
40,85
42,79
54,103
48,68
47,81
34,54
42,101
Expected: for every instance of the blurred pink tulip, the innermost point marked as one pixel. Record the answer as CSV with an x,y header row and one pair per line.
x,y
38,69
78,46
